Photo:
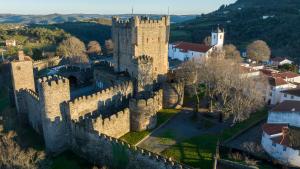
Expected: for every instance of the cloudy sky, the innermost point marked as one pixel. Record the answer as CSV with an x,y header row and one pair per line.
x,y
110,6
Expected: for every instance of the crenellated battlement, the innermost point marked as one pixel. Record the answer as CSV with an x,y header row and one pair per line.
x,y
141,21
32,94
130,150
54,80
96,96
143,59
147,102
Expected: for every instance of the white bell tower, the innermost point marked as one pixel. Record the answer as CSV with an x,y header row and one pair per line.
x,y
217,38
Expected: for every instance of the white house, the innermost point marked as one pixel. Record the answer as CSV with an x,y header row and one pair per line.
x,y
275,88
9,43
289,76
281,133
291,94
278,61
185,50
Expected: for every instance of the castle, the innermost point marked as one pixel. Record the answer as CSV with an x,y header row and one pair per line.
x,y
89,125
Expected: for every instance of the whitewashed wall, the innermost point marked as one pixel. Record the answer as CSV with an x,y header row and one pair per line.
x,y
291,118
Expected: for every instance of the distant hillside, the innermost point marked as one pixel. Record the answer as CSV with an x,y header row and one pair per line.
x,y
59,18
275,21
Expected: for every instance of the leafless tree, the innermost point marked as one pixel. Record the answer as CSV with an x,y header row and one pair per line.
x,y
74,50
207,41
233,94
94,48
259,51
231,52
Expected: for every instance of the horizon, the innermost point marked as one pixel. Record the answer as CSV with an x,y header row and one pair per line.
x,y
114,7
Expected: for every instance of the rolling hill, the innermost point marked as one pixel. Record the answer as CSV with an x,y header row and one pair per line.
x,y
275,21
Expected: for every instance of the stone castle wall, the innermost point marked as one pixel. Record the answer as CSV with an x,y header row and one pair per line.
x,y
116,125
143,112
115,95
105,150
34,110
46,63
173,94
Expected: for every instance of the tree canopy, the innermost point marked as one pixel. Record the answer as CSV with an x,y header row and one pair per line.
x,y
259,51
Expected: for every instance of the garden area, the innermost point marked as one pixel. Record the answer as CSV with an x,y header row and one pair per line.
x,y
199,151
162,116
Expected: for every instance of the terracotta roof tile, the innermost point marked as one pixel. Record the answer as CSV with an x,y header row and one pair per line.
x,y
271,129
186,46
276,81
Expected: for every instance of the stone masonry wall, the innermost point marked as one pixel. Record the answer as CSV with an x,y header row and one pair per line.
x,y
104,150
34,110
143,112
81,106
45,63
22,78
54,91
116,125
141,36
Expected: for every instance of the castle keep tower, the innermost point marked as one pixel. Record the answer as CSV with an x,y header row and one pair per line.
x,y
22,78
53,92
139,36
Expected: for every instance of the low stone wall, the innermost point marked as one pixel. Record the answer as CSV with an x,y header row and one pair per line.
x,y
115,95
45,63
143,112
116,125
173,94
104,150
233,165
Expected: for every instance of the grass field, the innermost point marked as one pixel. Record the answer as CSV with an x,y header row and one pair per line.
x,y
199,151
162,116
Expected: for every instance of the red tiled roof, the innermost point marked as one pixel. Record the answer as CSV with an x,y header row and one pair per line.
x,y
267,72
277,81
271,129
286,75
244,69
186,46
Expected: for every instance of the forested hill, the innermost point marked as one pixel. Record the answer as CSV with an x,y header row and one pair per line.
x,y
275,21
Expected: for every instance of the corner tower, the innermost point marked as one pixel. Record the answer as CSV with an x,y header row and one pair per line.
x,y
53,92
139,36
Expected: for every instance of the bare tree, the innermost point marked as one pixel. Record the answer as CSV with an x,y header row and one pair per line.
x,y
109,45
233,94
74,50
231,52
207,41
259,51
94,48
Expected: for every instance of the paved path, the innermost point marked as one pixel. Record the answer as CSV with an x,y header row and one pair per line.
x,y
180,128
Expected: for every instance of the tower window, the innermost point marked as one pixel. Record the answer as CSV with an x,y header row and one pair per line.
x,y
221,36
158,39
155,68
147,40
18,67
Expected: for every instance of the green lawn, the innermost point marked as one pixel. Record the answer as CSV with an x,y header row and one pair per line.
x,y
162,116
199,151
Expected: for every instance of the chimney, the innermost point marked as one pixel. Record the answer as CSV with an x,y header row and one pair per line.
x,y
21,56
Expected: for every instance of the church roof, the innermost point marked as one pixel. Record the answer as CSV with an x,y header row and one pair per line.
x,y
186,46
287,106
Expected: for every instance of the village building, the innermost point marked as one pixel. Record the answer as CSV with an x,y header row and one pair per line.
x,y
274,89
184,50
10,43
291,94
281,133
279,61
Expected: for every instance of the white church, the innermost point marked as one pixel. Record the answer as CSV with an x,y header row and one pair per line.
x,y
184,50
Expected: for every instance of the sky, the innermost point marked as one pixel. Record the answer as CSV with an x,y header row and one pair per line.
x,y
110,6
